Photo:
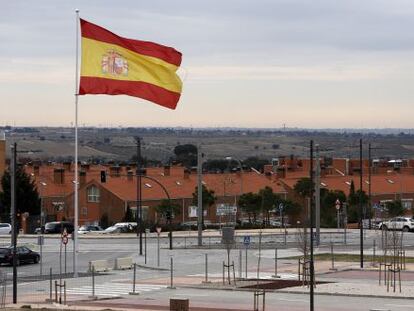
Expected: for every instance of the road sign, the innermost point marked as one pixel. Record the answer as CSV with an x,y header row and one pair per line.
x,y
337,204
281,207
246,240
65,236
225,209
147,231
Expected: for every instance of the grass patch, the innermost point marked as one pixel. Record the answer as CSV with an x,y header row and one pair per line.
x,y
349,257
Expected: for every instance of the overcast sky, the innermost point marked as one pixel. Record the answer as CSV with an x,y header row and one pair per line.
x,y
261,63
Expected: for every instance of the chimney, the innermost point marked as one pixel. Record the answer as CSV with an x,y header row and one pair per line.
x,y
85,167
281,172
238,172
36,170
82,178
130,175
67,165
114,171
167,170
59,176
187,173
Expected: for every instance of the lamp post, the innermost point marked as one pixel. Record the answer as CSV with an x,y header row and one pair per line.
x,y
229,158
42,184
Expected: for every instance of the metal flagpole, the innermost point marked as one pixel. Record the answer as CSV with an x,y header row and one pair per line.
x,y
199,196
76,212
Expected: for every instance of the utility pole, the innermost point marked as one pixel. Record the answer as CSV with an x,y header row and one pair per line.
x,y
13,217
369,183
199,195
312,223
318,195
361,230
139,194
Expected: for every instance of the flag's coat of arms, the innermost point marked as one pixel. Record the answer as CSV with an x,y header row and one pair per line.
x,y
114,64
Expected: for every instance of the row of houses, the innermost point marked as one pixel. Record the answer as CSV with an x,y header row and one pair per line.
x,y
110,197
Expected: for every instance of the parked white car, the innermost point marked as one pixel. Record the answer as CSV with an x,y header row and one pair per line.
x,y
398,223
5,228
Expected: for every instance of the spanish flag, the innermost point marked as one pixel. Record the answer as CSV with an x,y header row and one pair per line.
x,y
118,66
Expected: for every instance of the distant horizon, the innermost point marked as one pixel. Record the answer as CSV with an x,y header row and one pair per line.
x,y
114,127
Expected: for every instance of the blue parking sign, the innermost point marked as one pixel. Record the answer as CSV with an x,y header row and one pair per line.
x,y
246,240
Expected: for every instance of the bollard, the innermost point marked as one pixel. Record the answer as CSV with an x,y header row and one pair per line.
x,y
246,262
134,281
50,286
185,242
171,274
55,291
93,283
223,273
158,250
64,292
206,269
276,276
145,246
332,259
284,238
240,263
374,254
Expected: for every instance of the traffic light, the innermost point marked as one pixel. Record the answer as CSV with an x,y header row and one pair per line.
x,y
103,176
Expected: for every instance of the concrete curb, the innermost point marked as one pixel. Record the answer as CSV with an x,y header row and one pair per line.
x,y
296,292
152,268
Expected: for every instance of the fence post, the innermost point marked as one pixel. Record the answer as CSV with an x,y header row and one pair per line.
x,y
206,269
93,283
56,299
171,274
332,258
134,281
276,276
64,292
240,263
50,286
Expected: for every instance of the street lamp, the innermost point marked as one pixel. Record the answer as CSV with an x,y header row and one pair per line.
x,y
229,158
241,171
43,184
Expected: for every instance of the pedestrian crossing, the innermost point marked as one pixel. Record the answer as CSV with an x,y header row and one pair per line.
x,y
110,289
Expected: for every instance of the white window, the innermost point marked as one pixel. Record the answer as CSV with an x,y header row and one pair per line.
x,y
407,204
93,194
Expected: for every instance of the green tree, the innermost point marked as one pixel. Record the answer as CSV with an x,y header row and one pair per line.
x,y
208,199
249,203
186,155
129,215
304,187
27,197
167,210
268,201
328,210
256,163
395,208
353,203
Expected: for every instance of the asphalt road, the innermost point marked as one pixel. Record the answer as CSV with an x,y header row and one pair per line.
x,y
191,260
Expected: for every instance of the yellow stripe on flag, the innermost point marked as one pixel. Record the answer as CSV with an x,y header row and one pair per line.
x,y
110,61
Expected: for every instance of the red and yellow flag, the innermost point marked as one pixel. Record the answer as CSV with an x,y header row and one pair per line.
x,y
118,66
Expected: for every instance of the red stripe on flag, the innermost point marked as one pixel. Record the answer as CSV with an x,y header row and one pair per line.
x,y
168,54
151,92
